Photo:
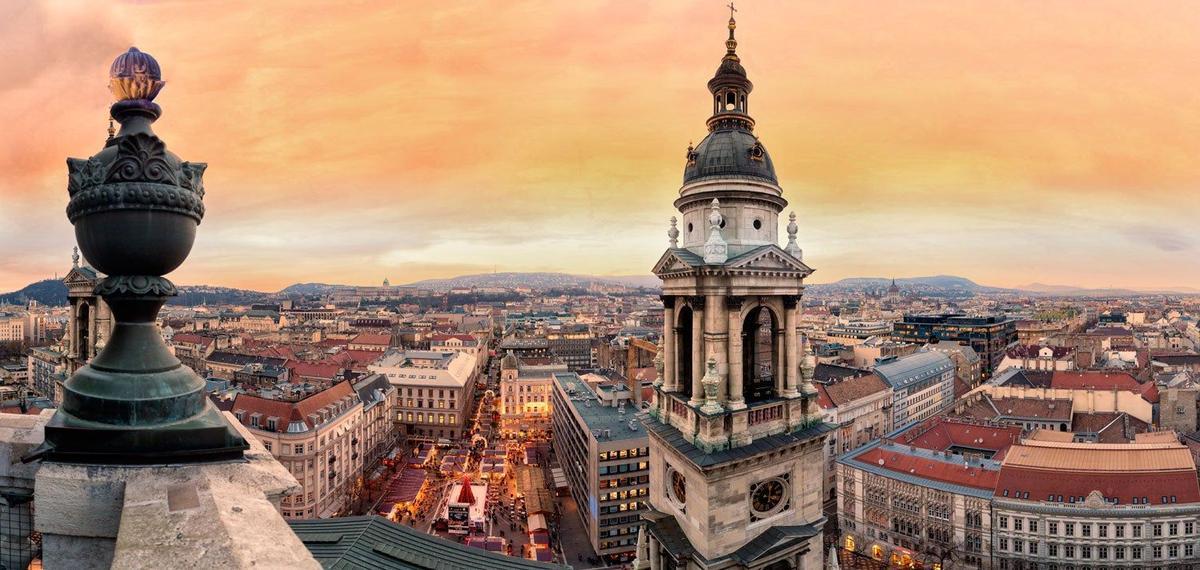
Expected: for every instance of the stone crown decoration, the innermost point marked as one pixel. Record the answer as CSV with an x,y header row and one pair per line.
x,y
141,174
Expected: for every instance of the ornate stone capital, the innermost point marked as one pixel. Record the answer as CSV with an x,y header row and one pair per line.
x,y
734,303
790,301
696,301
668,301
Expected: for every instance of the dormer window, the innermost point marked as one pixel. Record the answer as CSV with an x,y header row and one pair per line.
x,y
272,423
757,152
255,418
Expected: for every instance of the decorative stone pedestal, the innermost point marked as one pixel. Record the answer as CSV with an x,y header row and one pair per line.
x,y
203,515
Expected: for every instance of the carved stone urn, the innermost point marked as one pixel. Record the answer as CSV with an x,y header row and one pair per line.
x,y
710,381
135,207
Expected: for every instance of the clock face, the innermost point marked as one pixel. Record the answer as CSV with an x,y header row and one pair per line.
x,y
678,487
767,496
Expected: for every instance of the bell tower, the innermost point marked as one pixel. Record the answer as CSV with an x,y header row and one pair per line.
x,y
735,433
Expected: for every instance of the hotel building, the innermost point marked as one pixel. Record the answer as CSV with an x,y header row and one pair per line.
x,y
434,391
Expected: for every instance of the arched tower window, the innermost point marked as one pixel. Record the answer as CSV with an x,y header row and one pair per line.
x,y
730,101
83,340
683,351
759,358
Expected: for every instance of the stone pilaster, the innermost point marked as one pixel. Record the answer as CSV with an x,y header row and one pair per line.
x,y
670,382
716,339
698,311
736,397
790,308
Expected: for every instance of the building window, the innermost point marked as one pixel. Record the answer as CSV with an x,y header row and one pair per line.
x,y
1086,529
1173,529
1085,551
267,445
1157,529
1053,526
1070,528
1136,552
1103,531
1120,531
1033,525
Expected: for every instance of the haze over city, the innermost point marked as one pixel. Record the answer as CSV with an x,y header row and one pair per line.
x,y
1031,141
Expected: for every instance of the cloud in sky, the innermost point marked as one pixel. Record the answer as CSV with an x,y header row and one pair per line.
x,y
351,141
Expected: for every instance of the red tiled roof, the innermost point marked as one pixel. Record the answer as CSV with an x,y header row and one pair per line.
x,y
941,434
823,399
1095,380
300,368
287,412
928,468
1123,486
377,339
847,390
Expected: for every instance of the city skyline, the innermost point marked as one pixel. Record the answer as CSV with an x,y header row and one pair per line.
x,y
432,143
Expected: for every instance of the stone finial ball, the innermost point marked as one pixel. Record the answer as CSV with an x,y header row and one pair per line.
x,y
135,75
135,62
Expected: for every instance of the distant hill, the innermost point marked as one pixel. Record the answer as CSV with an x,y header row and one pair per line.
x,y
509,279
1076,291
533,280
936,284
307,289
53,292
45,292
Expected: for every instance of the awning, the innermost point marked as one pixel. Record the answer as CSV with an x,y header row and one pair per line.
x,y
537,522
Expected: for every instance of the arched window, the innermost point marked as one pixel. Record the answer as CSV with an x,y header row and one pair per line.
x,y
82,341
683,351
759,357
730,100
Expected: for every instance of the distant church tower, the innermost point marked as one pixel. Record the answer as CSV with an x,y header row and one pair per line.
x,y
735,433
90,323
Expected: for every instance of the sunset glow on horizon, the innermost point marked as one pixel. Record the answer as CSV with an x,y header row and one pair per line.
x,y
1008,143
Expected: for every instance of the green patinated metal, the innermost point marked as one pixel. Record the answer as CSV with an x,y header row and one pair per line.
x,y
135,207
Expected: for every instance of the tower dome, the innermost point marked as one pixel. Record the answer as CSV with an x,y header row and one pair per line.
x,y
730,165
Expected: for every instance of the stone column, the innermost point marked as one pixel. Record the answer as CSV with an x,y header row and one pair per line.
x,y
74,332
737,400
655,554
781,361
90,349
697,352
793,347
670,383
717,340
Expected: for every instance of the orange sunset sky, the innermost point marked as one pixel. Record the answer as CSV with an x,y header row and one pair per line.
x,y
1008,142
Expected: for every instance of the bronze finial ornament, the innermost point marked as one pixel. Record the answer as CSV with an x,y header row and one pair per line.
x,y
135,207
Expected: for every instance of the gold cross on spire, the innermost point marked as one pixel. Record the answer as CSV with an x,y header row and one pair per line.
x,y
731,10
